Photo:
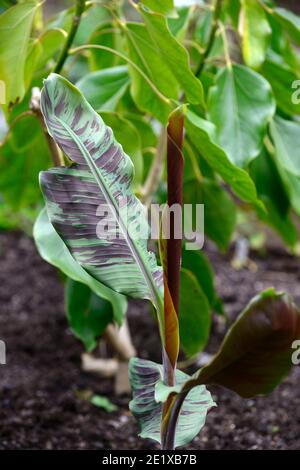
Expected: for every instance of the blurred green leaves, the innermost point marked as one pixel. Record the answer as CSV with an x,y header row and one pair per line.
x,y
15,28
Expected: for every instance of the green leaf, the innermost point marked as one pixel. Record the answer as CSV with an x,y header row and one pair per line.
x,y
21,160
219,209
198,264
143,52
241,105
179,26
202,134
105,35
15,28
88,314
281,77
272,191
127,135
51,41
256,33
165,7
146,380
289,21
103,89
256,352
292,187
175,56
194,315
53,250
94,16
286,138
104,403
91,203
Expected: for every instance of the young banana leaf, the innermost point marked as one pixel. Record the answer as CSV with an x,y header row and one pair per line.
x,y
97,186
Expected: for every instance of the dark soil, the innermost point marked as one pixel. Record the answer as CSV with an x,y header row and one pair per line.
x,y
40,404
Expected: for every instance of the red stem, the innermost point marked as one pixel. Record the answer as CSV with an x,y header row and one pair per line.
x,y
175,196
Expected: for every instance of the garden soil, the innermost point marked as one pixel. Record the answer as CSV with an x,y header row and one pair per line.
x,y
43,389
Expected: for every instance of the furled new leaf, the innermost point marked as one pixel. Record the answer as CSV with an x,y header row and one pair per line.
x,y
91,203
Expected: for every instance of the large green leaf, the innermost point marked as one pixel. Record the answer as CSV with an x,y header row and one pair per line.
x,y
88,314
219,209
107,36
271,190
292,187
240,105
165,7
21,160
194,315
53,250
51,41
175,56
104,88
255,31
286,138
91,203
256,352
94,16
143,52
289,21
15,28
198,264
149,392
281,77
202,133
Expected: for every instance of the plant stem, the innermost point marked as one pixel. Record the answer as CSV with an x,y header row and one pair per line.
x,y
154,175
35,108
226,46
79,9
163,98
211,39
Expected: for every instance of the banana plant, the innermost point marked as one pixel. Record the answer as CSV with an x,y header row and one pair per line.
x,y
171,406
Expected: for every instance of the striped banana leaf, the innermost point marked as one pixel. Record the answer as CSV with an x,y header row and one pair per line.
x,y
149,394
99,178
